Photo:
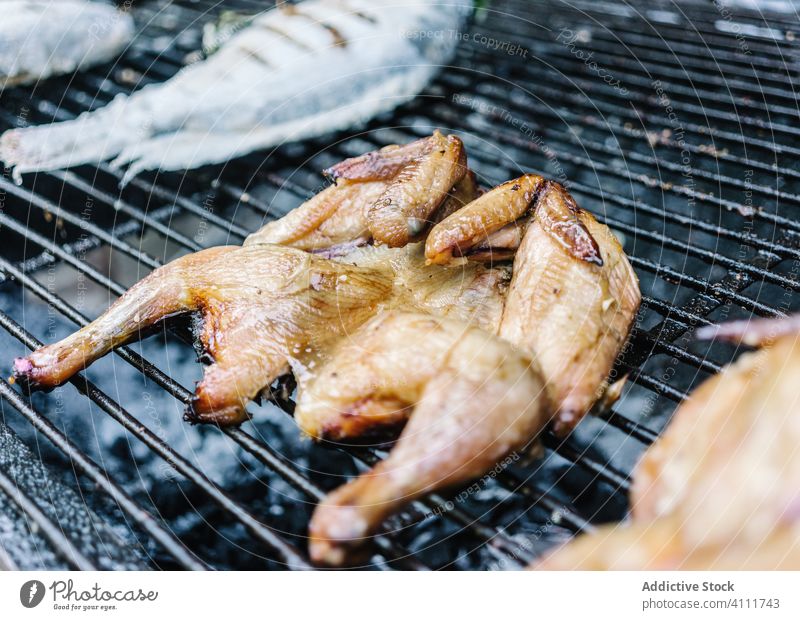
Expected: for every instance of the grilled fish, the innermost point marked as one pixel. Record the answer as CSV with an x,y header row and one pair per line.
x,y
39,38
719,490
296,71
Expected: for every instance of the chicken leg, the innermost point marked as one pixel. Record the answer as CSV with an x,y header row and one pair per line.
x,y
471,397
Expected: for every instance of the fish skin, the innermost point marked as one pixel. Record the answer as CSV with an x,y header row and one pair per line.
x,y
39,39
325,65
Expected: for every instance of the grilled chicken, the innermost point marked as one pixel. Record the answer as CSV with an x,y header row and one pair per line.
x,y
477,356
39,38
266,308
261,305
388,196
290,298
719,490
297,71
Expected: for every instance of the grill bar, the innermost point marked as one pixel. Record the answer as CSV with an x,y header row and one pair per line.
x,y
712,38
647,181
683,108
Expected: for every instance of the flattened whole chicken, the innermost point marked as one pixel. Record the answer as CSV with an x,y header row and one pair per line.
x,y
478,355
719,489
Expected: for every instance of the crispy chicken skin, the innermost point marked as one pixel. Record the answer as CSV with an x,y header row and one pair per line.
x,y
474,224
475,399
719,490
419,176
574,295
335,216
469,358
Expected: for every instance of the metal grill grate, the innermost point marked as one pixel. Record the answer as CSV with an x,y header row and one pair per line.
x,y
677,132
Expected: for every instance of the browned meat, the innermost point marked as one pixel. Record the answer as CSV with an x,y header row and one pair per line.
x,y
719,490
463,193
384,163
262,305
335,216
266,308
472,225
404,210
658,546
388,195
477,356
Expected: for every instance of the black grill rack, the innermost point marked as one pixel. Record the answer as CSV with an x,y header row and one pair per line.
x,y
678,131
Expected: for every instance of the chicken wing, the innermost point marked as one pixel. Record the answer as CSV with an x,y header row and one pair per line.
x,y
719,490
473,396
